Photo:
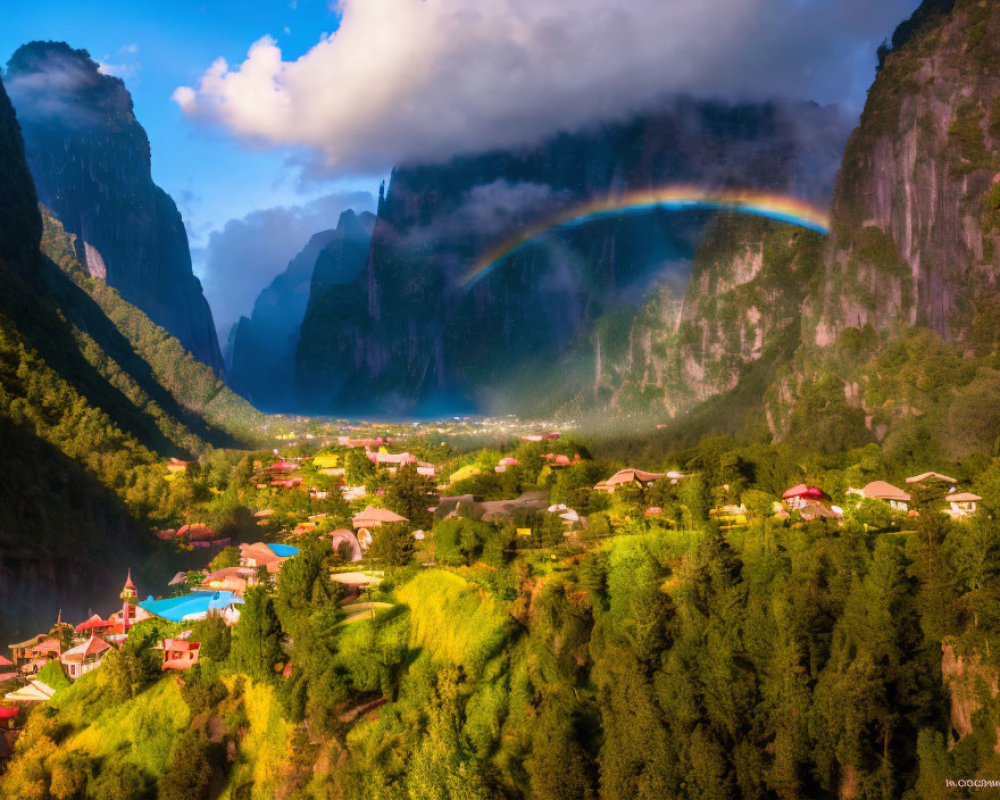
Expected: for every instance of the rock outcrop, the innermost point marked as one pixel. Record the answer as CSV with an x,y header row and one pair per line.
x,y
409,335
916,212
90,159
262,363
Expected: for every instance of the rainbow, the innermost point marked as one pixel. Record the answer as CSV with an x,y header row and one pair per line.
x,y
672,198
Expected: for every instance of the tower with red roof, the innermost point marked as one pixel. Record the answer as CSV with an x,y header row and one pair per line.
x,y
128,596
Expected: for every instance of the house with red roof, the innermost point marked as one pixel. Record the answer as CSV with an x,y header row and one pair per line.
x,y
373,517
84,658
179,653
802,495
20,650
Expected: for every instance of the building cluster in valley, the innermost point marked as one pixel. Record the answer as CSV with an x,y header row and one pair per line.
x,y
77,650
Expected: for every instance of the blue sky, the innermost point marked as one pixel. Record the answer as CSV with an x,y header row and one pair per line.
x,y
156,47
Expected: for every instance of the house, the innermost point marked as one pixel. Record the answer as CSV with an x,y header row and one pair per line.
x,y
351,493
390,459
259,554
20,651
634,477
48,649
229,579
35,692
504,463
800,495
84,657
897,499
358,580
962,504
932,477
175,465
373,517
179,653
283,467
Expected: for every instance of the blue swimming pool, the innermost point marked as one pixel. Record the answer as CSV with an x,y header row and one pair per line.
x,y
192,605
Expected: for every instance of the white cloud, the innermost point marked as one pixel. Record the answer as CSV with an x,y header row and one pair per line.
x,y
421,80
120,70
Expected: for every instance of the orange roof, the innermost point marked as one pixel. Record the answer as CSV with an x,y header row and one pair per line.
x,y
923,476
94,621
48,646
963,497
376,516
92,647
630,475
880,490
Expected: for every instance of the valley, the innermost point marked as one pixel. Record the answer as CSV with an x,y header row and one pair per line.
x,y
654,457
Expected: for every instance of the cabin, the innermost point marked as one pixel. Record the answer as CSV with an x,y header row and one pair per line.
x,y
179,653
20,651
897,499
48,649
390,459
84,657
35,692
634,477
802,495
931,478
373,517
962,505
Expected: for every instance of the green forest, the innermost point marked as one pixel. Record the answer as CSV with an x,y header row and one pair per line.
x,y
699,651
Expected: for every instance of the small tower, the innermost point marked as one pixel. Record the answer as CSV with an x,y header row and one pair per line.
x,y
128,596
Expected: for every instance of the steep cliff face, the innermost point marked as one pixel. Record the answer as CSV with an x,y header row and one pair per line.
x,y
90,160
901,330
262,365
46,499
408,335
748,282
916,209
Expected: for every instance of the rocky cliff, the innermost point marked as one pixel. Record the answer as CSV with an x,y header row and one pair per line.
x,y
90,159
262,364
917,203
900,330
408,336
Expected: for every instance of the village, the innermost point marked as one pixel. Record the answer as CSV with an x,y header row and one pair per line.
x,y
375,507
